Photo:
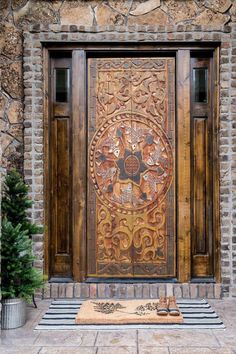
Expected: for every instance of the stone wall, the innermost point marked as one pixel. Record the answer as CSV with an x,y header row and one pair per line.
x,y
125,20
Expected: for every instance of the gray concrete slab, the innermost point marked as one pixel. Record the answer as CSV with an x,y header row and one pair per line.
x,y
26,340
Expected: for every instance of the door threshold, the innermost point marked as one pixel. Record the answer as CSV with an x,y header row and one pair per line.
x,y
130,280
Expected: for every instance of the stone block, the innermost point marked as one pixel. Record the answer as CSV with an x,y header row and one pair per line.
x,y
218,291
210,291
77,290
186,292
156,17
130,291
169,289
76,13
84,291
193,291
122,291
113,290
154,291
138,291
202,290
61,290
162,289
93,291
177,291
106,16
69,290
101,291
146,291
12,79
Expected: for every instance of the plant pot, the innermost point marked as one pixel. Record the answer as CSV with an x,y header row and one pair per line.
x,y
13,313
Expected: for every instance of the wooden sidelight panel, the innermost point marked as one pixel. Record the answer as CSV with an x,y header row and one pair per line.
x,y
60,168
131,165
201,167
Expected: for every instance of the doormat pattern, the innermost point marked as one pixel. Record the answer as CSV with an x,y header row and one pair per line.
x,y
197,314
132,311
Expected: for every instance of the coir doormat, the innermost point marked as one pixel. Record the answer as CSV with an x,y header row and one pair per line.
x,y
122,312
197,314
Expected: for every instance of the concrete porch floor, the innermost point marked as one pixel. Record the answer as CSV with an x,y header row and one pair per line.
x,y
27,340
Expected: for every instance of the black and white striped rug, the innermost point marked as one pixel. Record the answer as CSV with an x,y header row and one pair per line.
x,y
197,314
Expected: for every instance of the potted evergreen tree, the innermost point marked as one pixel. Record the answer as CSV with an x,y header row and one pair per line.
x,y
19,279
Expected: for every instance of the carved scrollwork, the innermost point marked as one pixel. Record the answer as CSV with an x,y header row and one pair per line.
x,y
131,166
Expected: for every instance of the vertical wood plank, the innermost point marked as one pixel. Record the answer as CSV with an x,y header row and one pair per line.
x,y
79,164
216,167
183,163
46,159
200,166
63,187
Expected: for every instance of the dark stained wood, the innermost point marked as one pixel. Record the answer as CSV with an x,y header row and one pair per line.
x,y
216,167
46,89
201,177
183,163
199,185
79,175
79,164
60,180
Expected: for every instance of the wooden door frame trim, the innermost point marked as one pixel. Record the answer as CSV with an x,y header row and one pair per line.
x,y
46,181
184,263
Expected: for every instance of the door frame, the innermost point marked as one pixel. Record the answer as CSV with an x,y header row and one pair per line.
x,y
183,217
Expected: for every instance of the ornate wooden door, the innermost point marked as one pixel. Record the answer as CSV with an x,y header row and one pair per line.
x,y
131,166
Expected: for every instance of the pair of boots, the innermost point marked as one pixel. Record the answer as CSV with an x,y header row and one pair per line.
x,y
167,305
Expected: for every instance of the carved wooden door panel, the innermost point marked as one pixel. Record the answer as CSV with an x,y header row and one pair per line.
x,y
131,167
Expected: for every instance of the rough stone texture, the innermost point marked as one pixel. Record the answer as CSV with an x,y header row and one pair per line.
x,y
146,21
144,7
208,17
181,10
11,41
35,12
122,7
152,18
105,16
15,112
71,13
218,5
12,79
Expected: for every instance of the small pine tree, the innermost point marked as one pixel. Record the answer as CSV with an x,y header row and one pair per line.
x,y
19,277
15,202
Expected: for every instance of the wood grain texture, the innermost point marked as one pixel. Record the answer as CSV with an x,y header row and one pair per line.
x,y
79,165
201,175
183,156
132,171
60,180
46,110
216,167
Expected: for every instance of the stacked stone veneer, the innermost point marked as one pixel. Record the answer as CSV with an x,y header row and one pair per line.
x,y
128,291
26,25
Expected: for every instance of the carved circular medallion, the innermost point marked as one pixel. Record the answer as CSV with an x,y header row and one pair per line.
x,y
131,163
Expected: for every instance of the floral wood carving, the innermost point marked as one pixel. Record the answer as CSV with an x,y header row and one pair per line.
x,y
132,165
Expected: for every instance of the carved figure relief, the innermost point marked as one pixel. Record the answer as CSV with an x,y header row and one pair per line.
x,y
131,165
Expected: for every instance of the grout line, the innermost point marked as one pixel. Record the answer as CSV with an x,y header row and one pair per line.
x,y
137,341
216,337
95,341
37,337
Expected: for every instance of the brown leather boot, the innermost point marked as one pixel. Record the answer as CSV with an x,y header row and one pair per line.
x,y
173,307
162,309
